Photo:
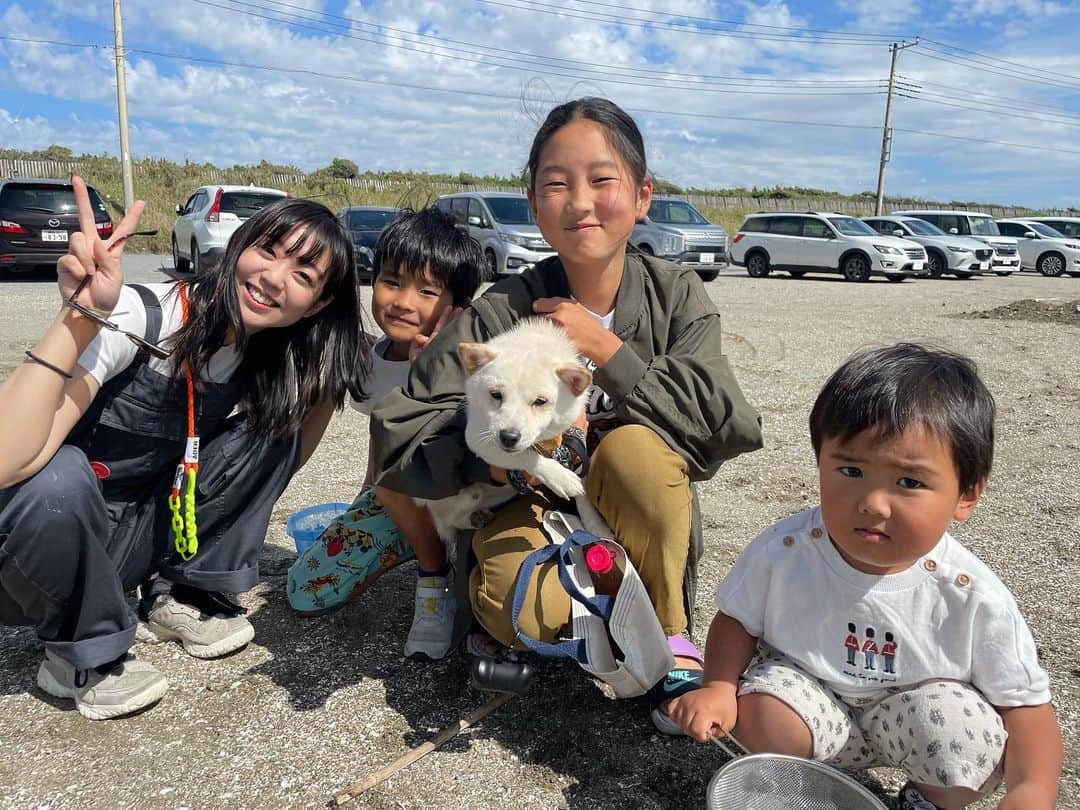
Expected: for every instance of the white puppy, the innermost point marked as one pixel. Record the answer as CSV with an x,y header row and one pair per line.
x,y
525,388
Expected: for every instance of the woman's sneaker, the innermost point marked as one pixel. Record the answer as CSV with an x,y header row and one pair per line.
x,y
432,630
113,690
208,625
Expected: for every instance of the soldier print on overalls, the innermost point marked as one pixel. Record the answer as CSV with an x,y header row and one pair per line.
x,y
95,521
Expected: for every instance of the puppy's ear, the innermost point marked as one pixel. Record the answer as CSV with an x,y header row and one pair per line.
x,y
577,378
474,356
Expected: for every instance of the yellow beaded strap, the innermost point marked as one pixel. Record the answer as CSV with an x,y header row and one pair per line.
x,y
185,538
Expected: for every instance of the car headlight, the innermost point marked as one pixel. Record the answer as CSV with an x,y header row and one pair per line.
x,y
514,239
956,249
671,244
888,249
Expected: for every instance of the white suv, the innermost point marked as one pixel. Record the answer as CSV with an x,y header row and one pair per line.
x,y
1043,248
961,256
979,226
812,241
206,221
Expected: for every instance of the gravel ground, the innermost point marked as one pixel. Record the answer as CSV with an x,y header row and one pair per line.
x,y
314,705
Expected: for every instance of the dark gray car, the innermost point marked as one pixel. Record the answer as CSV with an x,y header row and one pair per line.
x,y
36,218
365,223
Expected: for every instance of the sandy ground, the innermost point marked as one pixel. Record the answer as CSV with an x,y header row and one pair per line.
x,y
314,705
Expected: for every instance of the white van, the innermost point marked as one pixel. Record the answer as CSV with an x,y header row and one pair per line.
x,y
979,226
503,224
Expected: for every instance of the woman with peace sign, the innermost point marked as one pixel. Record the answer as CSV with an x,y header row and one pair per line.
x,y
151,430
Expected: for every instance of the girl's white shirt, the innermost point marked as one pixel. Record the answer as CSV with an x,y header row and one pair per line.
x,y
110,352
386,375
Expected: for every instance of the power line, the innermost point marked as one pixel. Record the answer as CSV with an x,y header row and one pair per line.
x,y
533,68
518,98
988,69
986,58
944,102
1007,103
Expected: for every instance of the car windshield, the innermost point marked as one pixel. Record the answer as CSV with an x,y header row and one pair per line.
x,y
1044,230
370,220
675,212
246,203
849,226
510,210
45,197
920,227
983,226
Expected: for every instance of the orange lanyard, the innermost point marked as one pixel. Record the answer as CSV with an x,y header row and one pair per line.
x,y
185,537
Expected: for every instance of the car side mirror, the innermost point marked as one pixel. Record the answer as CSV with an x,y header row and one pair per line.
x,y
953,231
1030,235
898,232
475,222
179,208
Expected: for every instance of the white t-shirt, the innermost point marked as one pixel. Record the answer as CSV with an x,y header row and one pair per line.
x,y
110,352
386,375
599,407
948,616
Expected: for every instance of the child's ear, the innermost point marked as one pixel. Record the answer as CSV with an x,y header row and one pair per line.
x,y
968,500
645,193
577,378
474,356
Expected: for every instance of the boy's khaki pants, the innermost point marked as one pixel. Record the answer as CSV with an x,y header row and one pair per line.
x,y
641,488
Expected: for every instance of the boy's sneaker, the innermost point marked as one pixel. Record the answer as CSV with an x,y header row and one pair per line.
x,y
207,624
122,687
910,798
432,628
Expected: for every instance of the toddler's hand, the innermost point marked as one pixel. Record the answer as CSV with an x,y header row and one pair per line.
x,y
705,712
421,340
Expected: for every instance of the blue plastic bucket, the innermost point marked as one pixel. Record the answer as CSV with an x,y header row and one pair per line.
x,y
306,525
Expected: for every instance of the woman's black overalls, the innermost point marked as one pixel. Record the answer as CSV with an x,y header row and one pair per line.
x,y
73,542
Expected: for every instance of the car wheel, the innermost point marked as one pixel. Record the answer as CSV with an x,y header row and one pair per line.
x,y
180,264
1051,264
936,264
196,259
1003,275
644,248
493,263
856,268
757,265
796,273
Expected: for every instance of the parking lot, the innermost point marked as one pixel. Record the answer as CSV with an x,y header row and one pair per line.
x,y
314,705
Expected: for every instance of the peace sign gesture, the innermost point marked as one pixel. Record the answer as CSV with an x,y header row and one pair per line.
x,y
89,255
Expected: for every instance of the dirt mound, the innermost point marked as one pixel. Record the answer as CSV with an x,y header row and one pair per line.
x,y
1041,310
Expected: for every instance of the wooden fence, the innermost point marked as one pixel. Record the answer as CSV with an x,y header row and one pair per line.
x,y
207,175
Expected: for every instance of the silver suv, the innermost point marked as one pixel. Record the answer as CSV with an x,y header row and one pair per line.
x,y
812,241
206,221
960,256
503,224
675,230
979,226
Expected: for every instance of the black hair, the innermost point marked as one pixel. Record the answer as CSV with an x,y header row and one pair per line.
x,y
851,627
286,371
426,240
888,390
869,632
619,128
888,637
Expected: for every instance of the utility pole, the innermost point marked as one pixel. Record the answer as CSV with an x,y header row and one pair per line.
x,y
886,134
121,104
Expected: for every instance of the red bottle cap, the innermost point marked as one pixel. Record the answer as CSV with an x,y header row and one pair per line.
x,y
599,559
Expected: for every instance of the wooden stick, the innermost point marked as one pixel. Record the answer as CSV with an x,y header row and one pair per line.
x,y
420,751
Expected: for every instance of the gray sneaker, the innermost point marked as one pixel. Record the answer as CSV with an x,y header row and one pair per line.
x,y
204,633
130,685
432,628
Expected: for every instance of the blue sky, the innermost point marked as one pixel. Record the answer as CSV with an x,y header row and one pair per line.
x,y
727,94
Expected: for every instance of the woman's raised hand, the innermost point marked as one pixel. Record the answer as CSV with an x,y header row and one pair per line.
x,y
90,255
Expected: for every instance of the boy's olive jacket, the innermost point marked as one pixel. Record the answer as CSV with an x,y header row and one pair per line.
x,y
670,374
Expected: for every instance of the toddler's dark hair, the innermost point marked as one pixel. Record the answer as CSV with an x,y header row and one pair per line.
x,y
426,240
888,390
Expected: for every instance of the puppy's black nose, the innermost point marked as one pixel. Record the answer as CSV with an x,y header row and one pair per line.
x,y
509,438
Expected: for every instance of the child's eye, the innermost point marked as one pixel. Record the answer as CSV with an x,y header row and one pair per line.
x,y
540,402
850,472
430,293
496,394
604,179
910,483
305,279
390,282
554,184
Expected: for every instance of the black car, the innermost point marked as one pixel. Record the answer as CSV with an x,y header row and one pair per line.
x,y
365,223
36,217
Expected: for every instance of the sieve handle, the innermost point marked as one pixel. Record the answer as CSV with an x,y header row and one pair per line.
x,y
736,750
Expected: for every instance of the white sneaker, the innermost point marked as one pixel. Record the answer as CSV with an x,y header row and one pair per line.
x,y
432,628
204,633
127,686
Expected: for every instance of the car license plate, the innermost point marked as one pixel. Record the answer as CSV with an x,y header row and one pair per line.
x,y
916,266
984,265
54,236
707,258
